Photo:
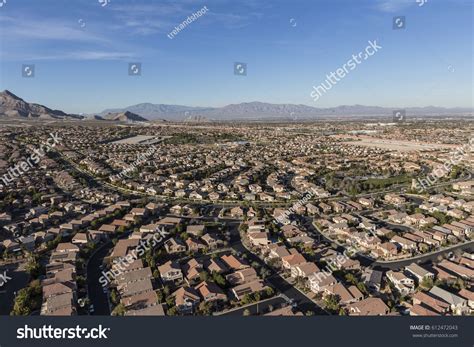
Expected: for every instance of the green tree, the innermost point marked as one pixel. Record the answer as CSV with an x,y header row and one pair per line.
x,y
170,301
257,296
114,297
363,288
33,267
427,282
172,311
27,300
205,308
441,217
204,276
219,279
350,278
246,299
331,303
459,284
119,310
269,292
160,295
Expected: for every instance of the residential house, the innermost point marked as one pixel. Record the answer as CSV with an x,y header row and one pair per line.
x,y
174,246
457,304
403,284
248,288
418,272
186,299
210,292
368,307
170,272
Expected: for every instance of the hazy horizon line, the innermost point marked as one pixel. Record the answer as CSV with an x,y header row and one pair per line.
x,y
468,108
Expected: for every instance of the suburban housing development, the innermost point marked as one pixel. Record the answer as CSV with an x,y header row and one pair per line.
x,y
137,218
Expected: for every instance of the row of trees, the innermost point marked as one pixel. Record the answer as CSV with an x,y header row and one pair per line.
x,y
28,299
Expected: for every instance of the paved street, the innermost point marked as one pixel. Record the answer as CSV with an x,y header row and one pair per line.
x,y
394,265
96,295
19,279
258,308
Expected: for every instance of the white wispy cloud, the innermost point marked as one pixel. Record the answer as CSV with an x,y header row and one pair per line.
x,y
159,18
15,29
70,55
146,19
19,36
392,6
88,55
111,35
234,21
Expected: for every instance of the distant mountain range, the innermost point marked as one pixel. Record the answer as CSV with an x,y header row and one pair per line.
x,y
260,110
125,116
11,106
158,111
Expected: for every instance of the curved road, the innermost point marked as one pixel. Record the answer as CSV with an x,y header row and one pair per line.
x,y
96,295
397,264
421,259
257,308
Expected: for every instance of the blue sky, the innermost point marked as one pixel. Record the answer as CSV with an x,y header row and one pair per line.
x,y
289,46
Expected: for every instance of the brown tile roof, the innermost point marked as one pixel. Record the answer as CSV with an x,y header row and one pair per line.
x,y
233,262
369,307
